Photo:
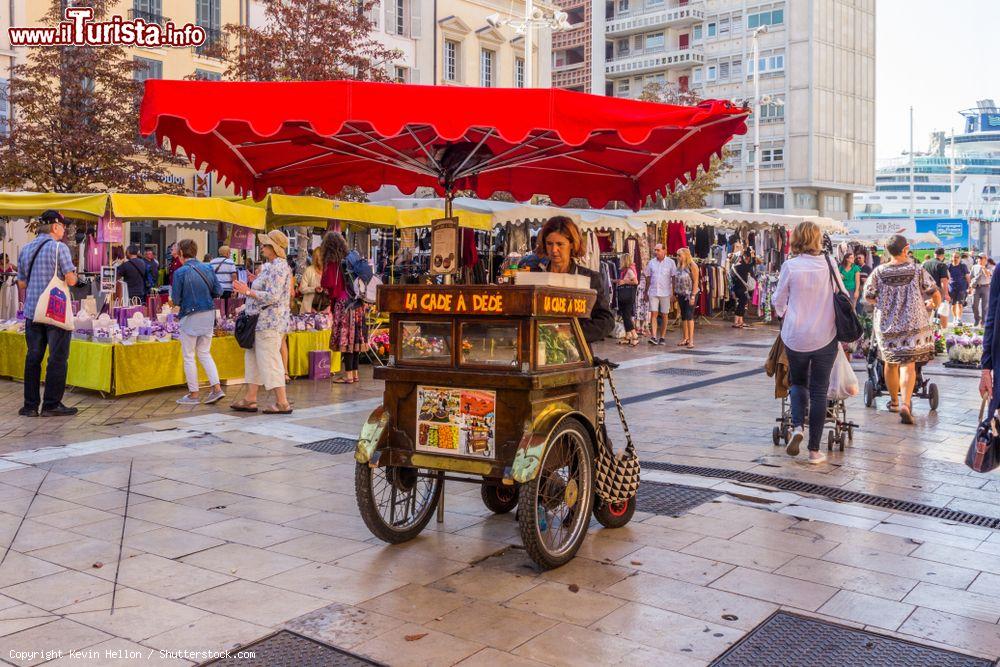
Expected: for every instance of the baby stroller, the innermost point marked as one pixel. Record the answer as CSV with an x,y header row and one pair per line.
x,y
875,384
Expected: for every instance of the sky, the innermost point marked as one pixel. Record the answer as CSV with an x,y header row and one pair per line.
x,y
939,56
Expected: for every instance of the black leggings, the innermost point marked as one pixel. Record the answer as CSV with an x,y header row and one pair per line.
x,y
349,361
741,300
626,307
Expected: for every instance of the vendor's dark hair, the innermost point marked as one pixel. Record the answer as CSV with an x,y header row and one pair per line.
x,y
896,244
333,248
565,226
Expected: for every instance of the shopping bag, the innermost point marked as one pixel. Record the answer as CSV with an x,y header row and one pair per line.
x,y
984,453
843,381
319,364
54,305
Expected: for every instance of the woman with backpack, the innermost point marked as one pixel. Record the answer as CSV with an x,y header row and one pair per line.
x,y
686,291
347,334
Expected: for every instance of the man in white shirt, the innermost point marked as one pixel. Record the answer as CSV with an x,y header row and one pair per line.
x,y
659,275
225,270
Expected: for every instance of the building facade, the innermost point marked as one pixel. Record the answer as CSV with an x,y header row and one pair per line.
x,y
471,52
816,63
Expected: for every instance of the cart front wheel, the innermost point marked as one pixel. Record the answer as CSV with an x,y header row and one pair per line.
x,y
395,502
499,498
613,515
932,395
556,504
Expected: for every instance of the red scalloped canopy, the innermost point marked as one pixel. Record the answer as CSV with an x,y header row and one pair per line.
x,y
331,134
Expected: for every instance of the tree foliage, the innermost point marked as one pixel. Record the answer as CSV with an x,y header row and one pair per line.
x,y
75,122
309,40
695,193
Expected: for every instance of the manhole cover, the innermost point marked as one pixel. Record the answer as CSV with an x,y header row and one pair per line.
x,y
671,499
694,353
291,649
683,372
797,641
331,445
717,362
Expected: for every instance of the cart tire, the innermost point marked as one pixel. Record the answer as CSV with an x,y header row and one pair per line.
x,y
776,436
613,516
499,498
418,495
548,499
932,395
869,393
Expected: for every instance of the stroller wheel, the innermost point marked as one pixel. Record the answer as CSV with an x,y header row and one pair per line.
x,y
869,393
932,395
842,440
830,440
850,435
776,436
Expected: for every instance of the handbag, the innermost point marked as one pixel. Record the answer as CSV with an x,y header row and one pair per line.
x,y
245,329
848,323
54,306
616,476
984,452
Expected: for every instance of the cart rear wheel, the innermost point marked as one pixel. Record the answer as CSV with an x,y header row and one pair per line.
x,y
556,504
613,515
869,393
499,498
396,503
932,395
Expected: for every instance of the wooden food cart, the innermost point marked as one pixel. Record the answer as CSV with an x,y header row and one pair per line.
x,y
493,385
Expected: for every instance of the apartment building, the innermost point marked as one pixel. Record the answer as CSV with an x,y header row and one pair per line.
x,y
816,65
471,52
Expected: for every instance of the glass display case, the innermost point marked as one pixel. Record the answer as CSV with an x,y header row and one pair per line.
x,y
557,344
425,342
491,344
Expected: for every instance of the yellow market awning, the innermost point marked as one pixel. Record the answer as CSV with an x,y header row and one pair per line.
x,y
88,207
291,211
422,217
179,208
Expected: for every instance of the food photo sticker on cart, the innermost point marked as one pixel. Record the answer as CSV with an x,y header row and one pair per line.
x,y
458,422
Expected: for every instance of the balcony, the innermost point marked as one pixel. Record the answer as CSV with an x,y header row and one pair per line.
x,y
653,61
676,17
215,45
148,17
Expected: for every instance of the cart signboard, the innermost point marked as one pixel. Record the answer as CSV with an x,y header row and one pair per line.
x,y
444,246
456,422
517,301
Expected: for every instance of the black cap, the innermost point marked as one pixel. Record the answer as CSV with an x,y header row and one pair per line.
x,y
52,216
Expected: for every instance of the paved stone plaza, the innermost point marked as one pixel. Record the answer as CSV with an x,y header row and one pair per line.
x,y
233,531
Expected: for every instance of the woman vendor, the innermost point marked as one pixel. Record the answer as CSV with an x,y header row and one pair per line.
x,y
559,245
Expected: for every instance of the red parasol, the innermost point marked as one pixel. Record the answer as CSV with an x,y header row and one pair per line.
x,y
331,134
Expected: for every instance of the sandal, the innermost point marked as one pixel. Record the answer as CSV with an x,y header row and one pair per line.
x,y
690,345
278,410
243,406
892,407
682,343
904,414
341,380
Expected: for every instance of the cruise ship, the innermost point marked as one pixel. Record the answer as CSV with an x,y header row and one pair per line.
x,y
976,175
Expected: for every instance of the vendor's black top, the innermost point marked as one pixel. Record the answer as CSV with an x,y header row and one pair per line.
x,y
743,270
601,321
133,272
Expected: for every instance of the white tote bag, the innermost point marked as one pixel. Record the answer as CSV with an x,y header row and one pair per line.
x,y
54,305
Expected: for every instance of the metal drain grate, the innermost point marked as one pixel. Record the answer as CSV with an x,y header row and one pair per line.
x,y
718,362
683,372
790,640
291,649
694,353
331,445
831,492
671,499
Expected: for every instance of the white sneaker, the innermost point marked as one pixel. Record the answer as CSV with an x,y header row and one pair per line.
x,y
793,444
187,400
816,458
214,397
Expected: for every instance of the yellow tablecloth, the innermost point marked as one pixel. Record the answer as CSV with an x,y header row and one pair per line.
x,y
89,363
127,369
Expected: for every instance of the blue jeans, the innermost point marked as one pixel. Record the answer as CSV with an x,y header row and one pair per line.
x,y
809,377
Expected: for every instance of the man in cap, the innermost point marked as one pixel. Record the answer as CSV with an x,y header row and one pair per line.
x,y
37,262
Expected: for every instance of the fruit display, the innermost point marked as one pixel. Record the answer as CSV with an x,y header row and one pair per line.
x,y
419,344
556,345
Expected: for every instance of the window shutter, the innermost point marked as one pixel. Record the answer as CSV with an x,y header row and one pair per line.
x,y
414,18
390,16
415,76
